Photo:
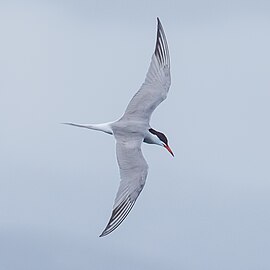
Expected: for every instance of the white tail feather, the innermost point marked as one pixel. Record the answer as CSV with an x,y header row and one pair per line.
x,y
105,127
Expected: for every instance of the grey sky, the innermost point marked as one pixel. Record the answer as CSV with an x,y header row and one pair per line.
x,y
81,61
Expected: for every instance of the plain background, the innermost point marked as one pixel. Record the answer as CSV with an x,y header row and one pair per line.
x,y
81,61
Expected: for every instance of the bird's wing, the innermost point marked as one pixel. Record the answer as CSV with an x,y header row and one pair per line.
x,y
157,82
133,172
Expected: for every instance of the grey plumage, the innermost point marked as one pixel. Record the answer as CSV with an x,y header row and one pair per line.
x,y
133,128
132,165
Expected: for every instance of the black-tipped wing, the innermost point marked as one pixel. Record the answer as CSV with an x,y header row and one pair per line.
x,y
156,85
133,172
132,165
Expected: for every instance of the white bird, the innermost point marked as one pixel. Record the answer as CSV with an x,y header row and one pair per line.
x,y
133,128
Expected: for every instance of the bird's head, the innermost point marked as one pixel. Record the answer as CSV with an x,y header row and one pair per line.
x,y
161,139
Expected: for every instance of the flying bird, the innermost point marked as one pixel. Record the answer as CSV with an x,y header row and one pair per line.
x,y
133,128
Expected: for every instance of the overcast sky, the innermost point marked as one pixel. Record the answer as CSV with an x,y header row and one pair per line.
x,y
81,61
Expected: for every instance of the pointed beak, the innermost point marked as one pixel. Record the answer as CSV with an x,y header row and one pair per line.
x,y
169,149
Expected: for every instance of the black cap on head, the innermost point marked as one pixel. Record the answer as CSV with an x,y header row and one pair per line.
x,y
160,135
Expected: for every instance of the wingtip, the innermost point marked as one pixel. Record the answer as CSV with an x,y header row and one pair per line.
x,y
158,21
101,235
118,215
104,233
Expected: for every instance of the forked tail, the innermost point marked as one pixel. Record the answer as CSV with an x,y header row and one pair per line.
x,y
105,127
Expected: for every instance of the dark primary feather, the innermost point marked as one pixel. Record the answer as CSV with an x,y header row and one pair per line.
x,y
162,50
118,216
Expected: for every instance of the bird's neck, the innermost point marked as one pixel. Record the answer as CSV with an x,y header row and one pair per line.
x,y
152,139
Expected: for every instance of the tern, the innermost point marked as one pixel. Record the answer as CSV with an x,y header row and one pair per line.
x,y
133,128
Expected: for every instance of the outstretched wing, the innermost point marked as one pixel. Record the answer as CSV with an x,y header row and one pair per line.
x,y
133,172
157,82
